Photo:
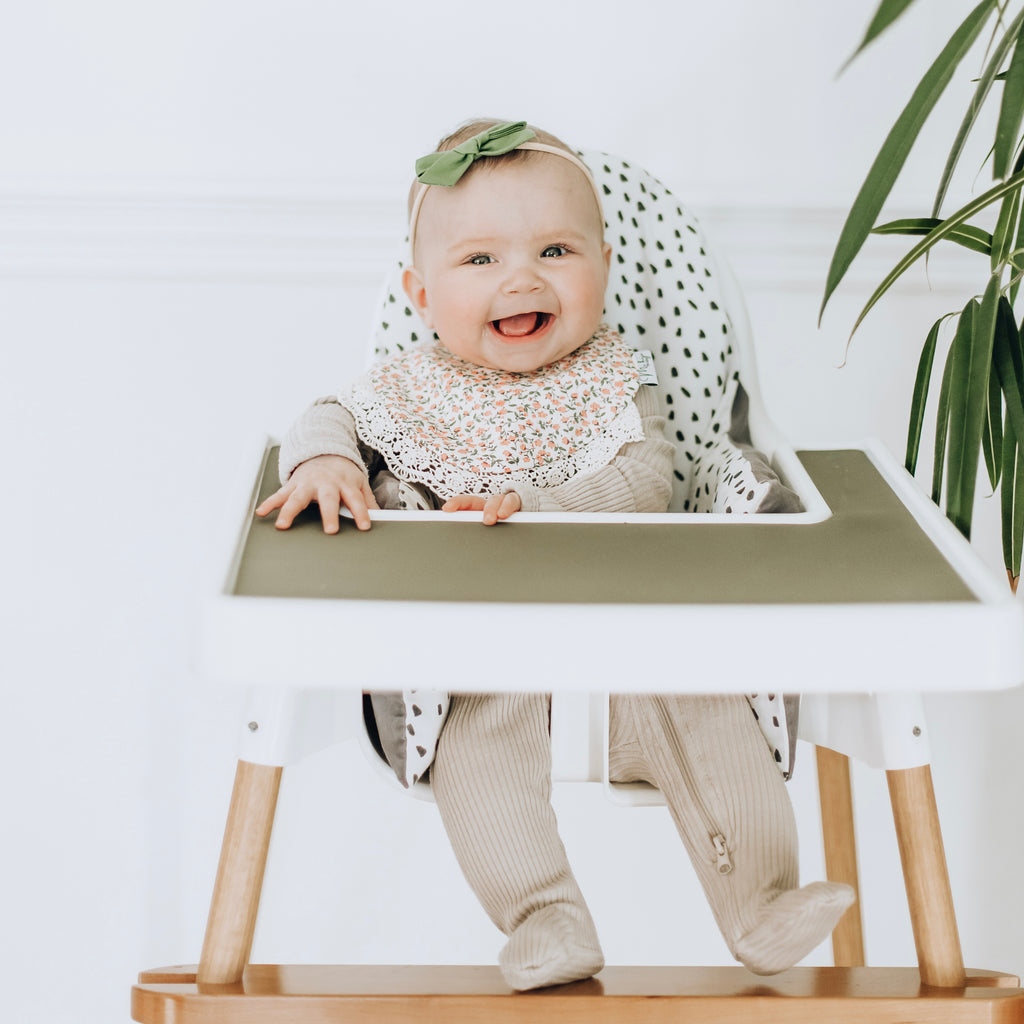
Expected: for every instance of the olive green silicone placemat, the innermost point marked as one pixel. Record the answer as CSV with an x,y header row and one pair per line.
x,y
870,550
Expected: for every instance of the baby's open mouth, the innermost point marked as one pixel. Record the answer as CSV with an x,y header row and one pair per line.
x,y
522,325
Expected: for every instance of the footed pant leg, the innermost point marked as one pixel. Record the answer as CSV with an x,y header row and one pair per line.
x,y
731,809
492,782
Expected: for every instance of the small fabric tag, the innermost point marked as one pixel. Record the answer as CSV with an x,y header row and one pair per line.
x,y
645,366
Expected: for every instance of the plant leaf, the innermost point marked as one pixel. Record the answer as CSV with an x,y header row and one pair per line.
x,y
1014,257
1011,499
974,238
1008,363
920,397
893,154
888,11
968,397
992,432
1011,110
942,412
989,75
937,234
1006,227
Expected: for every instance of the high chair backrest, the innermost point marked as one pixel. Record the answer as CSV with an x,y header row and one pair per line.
x,y
667,294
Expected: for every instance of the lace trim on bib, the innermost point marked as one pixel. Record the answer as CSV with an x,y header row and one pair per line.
x,y
466,429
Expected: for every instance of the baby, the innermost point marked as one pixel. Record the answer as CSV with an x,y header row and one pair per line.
x,y
525,401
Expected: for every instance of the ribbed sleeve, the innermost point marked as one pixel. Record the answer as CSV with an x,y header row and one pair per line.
x,y
325,428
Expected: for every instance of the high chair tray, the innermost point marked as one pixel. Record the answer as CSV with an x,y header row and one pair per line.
x,y
477,995
581,602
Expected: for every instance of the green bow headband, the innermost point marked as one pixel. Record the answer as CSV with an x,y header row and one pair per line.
x,y
448,166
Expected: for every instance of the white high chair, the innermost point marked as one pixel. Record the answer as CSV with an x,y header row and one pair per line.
x,y
668,295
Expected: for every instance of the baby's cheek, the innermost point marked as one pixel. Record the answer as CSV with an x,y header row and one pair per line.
x,y
591,306
463,312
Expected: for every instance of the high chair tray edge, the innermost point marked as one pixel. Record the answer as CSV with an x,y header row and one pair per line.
x,y
836,599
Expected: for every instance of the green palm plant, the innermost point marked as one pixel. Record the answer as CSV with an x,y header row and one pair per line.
x,y
979,411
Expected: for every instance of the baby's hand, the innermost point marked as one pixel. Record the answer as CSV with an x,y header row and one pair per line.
x,y
330,481
495,506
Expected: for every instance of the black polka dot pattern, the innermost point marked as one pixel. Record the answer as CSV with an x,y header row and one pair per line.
x,y
425,713
770,711
664,294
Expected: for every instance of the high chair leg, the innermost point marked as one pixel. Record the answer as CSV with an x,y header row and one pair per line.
x,y
243,857
836,799
936,937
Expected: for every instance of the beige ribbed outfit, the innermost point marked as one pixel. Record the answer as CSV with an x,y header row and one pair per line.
x,y
492,782
492,773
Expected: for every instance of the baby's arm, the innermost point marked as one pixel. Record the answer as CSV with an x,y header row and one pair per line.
x,y
638,479
320,460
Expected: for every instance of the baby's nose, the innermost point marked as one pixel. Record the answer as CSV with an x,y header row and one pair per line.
x,y
523,278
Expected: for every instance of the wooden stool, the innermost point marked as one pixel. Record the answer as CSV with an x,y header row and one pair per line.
x,y
659,995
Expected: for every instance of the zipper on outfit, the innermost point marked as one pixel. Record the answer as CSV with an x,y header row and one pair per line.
x,y
724,861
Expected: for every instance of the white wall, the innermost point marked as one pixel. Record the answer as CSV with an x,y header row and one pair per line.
x,y
196,201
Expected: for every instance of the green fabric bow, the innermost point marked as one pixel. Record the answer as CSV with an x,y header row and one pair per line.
x,y
446,167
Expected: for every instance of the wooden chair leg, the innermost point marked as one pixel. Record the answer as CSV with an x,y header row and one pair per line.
x,y
243,858
836,798
926,876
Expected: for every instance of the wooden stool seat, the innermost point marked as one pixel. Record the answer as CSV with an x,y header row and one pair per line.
x,y
271,994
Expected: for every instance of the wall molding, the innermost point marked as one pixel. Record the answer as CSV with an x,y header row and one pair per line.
x,y
305,233
205,233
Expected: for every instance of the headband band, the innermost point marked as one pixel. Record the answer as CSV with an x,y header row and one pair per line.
x,y
447,167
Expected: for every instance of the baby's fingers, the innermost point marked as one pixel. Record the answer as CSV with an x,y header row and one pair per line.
x,y
501,506
463,503
276,500
329,501
358,500
295,502
510,504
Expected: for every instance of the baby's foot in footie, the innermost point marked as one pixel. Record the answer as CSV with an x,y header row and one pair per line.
x,y
552,946
793,924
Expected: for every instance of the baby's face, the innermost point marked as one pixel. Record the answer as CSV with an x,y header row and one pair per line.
x,y
510,264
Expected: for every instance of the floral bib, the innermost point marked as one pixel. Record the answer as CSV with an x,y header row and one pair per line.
x,y
459,428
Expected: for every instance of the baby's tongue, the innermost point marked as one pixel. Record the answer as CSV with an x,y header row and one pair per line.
x,y
517,326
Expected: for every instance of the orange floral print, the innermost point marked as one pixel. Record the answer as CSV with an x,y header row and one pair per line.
x,y
462,428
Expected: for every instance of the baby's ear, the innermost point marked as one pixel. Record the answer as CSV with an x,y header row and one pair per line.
x,y
417,293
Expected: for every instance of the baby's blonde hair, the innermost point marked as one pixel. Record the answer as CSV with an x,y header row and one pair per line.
x,y
474,127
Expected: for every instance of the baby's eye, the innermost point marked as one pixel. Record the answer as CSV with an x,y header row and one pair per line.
x,y
554,250
481,259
